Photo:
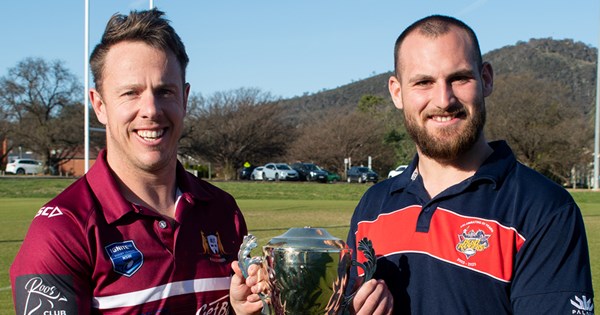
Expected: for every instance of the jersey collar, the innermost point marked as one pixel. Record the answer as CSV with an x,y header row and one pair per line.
x,y
115,206
494,169
106,190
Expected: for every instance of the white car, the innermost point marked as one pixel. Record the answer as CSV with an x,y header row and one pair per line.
x,y
24,166
397,171
257,173
279,171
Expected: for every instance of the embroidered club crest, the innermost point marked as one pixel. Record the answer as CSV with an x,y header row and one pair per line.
x,y
212,245
125,257
471,242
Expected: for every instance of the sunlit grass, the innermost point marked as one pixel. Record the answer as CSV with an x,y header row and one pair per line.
x,y
270,209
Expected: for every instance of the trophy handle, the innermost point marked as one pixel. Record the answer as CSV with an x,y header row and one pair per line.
x,y
366,247
244,259
244,262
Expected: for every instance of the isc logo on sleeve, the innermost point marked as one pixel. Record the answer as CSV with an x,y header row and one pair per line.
x,y
49,212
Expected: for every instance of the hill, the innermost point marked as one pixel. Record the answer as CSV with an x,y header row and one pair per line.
x,y
571,64
342,99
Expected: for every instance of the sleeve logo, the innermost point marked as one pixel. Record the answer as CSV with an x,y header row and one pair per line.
x,y
49,212
45,294
582,306
125,257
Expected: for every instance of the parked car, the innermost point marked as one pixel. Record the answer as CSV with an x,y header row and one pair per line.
x,y
310,172
257,173
362,174
246,172
397,171
24,166
332,177
278,171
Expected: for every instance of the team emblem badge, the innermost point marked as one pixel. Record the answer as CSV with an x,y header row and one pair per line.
x,y
125,257
471,242
212,245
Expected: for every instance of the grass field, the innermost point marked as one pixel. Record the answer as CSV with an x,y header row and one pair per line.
x,y
270,209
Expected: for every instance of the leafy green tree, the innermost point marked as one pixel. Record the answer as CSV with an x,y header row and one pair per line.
x,y
370,103
399,139
390,117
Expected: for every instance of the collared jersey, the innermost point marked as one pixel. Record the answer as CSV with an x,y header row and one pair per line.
x,y
505,241
90,251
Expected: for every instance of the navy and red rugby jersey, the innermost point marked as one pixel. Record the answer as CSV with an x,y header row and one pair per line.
x,y
505,241
90,251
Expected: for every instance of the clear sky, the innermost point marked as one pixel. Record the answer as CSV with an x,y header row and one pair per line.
x,y
285,47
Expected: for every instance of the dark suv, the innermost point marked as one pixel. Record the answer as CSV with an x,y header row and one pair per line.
x,y
310,172
246,172
362,174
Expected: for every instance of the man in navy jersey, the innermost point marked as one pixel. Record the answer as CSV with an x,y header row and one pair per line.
x,y
137,234
466,229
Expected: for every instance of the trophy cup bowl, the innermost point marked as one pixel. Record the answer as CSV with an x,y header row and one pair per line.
x,y
308,271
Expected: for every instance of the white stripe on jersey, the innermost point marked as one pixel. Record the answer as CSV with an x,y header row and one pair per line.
x,y
161,292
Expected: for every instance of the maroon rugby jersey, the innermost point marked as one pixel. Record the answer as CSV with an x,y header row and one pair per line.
x,y
90,251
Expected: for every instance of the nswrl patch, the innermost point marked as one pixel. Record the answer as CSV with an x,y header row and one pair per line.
x,y
125,257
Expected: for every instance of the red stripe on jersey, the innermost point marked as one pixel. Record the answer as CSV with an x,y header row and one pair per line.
x,y
478,244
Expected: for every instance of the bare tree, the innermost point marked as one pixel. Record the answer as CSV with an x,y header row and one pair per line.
x,y
357,135
6,128
40,99
537,118
233,127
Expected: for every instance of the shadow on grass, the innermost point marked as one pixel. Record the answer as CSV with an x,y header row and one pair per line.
x,y
289,227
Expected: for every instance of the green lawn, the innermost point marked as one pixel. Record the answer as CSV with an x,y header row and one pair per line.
x,y
270,209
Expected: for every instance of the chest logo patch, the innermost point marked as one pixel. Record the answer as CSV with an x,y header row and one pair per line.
x,y
213,246
472,240
125,257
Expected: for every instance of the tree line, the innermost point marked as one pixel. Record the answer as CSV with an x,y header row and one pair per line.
x,y
41,110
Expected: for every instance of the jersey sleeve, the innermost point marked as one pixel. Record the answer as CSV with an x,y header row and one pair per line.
x,y
51,272
352,244
351,239
552,269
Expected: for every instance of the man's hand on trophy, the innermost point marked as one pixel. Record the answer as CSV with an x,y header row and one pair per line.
x,y
374,298
243,292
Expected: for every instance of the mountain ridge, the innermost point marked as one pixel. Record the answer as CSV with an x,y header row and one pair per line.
x,y
569,63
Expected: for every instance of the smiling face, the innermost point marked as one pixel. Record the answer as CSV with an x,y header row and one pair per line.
x,y
142,102
441,90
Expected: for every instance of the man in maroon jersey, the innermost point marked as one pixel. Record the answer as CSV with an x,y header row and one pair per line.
x,y
137,234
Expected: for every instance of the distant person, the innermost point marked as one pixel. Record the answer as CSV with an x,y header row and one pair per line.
x,y
137,234
466,229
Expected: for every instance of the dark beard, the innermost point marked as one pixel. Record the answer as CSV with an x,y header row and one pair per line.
x,y
451,143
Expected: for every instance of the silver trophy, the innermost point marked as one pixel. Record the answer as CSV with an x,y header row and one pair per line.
x,y
308,271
